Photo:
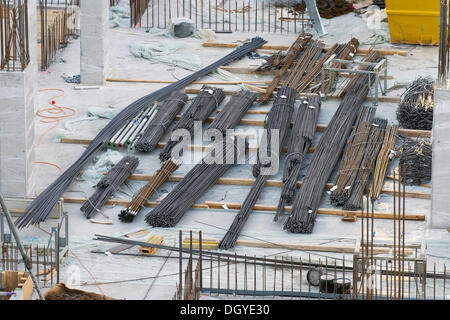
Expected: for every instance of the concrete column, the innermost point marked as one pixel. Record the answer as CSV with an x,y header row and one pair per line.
x,y
94,27
18,99
440,197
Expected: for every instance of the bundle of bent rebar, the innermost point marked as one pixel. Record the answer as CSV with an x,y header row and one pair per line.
x,y
279,118
415,111
304,210
364,173
138,202
206,101
387,152
302,136
149,139
351,158
416,155
41,207
333,8
109,184
205,174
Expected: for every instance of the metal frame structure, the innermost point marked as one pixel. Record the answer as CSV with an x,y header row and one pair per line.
x,y
58,213
378,69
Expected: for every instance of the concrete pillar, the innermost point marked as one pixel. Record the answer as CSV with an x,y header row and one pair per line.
x,y
94,27
18,99
440,197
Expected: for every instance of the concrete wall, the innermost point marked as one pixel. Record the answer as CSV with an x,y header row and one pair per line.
x,y
94,27
440,198
18,100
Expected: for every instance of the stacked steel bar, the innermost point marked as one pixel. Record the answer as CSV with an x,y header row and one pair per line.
x,y
206,101
109,184
156,128
292,54
304,210
387,152
205,174
416,155
41,207
415,111
227,120
278,119
305,75
351,158
364,174
138,202
302,136
306,63
128,133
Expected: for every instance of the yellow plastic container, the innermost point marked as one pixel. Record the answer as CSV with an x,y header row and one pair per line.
x,y
413,21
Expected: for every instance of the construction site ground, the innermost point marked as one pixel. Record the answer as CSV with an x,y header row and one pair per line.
x,y
129,277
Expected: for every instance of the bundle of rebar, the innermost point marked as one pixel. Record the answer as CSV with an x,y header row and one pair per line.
x,y
240,102
304,210
387,152
278,60
206,101
415,111
109,184
127,135
194,184
416,155
293,52
305,76
365,172
41,207
205,174
279,118
156,128
302,136
307,66
333,8
351,158
138,202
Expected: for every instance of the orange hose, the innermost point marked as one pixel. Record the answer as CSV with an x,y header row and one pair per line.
x,y
53,114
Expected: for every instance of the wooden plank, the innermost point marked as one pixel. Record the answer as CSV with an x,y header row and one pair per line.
x,y
195,82
100,222
333,97
253,70
212,44
333,212
27,288
305,247
269,183
257,207
120,202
